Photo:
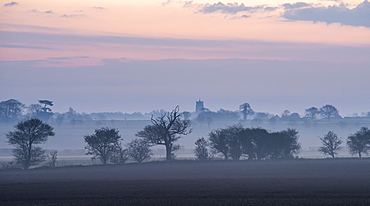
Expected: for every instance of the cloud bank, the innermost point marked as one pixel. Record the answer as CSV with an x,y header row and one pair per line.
x,y
230,8
9,46
68,58
358,16
41,12
11,4
300,11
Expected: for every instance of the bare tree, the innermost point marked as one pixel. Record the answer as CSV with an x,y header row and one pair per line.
x,y
359,142
329,111
139,150
166,130
53,158
103,143
28,134
330,144
201,150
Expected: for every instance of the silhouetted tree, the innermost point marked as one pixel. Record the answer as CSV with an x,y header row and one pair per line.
x,y
329,111
27,134
11,110
285,115
103,143
227,141
53,158
248,140
257,143
166,130
45,112
359,142
246,110
119,155
312,112
330,144
273,145
235,146
139,150
263,143
46,103
289,142
219,142
201,149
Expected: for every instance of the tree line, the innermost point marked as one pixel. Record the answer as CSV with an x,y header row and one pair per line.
x,y
104,144
254,143
232,142
13,111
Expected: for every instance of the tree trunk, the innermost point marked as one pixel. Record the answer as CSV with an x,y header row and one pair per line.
x,y
359,154
104,159
28,159
168,152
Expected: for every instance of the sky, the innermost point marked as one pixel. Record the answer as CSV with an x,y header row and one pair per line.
x,y
142,55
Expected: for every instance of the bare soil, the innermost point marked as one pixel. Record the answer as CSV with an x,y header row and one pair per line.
x,y
294,182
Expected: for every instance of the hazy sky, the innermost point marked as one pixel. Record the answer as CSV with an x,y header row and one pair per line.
x,y
115,55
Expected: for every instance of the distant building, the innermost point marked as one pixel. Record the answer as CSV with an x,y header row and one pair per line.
x,y
199,106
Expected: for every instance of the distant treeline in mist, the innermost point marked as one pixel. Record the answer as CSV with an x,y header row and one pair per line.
x,y
13,111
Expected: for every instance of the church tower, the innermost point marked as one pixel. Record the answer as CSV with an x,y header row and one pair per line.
x,y
199,106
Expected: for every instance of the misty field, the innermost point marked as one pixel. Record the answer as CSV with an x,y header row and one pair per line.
x,y
295,182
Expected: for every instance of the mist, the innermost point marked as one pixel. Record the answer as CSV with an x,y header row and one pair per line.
x,y
142,86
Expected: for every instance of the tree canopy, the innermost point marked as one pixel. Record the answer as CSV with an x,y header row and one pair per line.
x,y
257,143
312,112
329,111
103,143
330,144
11,110
246,110
27,134
139,150
201,150
359,142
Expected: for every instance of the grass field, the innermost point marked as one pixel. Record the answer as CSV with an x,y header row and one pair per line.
x,y
295,182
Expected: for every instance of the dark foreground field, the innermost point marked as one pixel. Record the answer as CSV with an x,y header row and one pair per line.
x,y
296,182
